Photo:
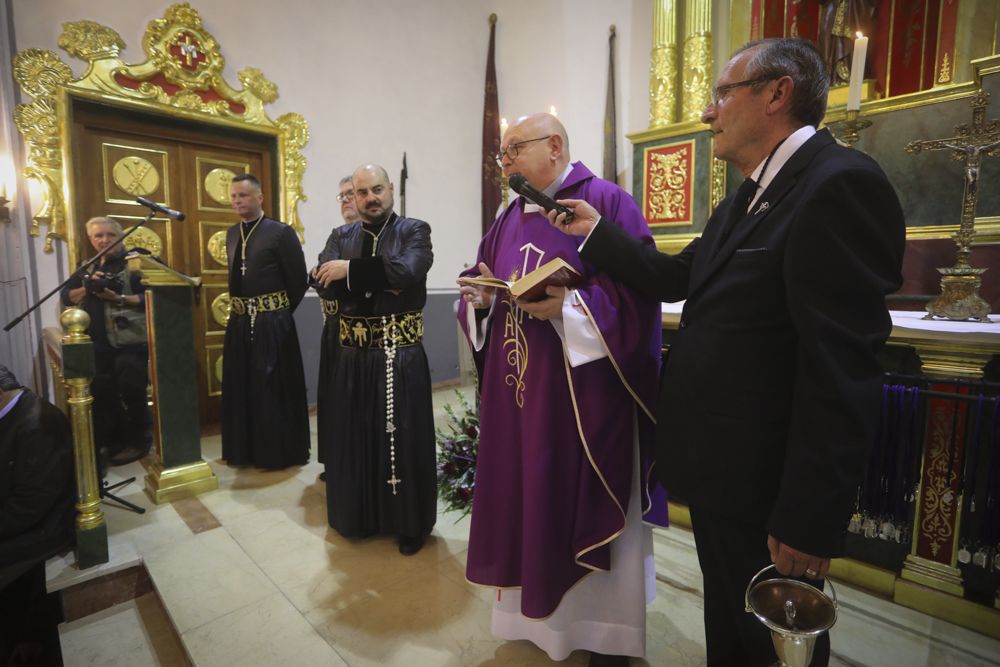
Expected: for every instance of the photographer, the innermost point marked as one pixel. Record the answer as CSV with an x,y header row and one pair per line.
x,y
114,298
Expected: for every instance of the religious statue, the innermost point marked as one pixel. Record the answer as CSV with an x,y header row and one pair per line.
x,y
839,21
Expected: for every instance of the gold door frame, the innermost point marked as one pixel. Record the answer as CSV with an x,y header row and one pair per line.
x,y
181,78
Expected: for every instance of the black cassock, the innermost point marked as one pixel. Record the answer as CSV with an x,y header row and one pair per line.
x,y
352,403
265,420
329,342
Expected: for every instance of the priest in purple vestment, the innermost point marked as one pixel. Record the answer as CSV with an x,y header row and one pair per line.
x,y
564,474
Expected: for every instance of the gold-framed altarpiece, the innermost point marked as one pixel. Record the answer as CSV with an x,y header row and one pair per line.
x,y
181,77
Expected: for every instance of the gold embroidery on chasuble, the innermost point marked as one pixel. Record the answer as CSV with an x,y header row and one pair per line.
x,y
516,346
515,343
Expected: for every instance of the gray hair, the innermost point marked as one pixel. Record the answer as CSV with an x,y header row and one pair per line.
x,y
777,57
100,220
345,179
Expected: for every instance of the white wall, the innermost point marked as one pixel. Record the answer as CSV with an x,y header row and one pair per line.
x,y
373,79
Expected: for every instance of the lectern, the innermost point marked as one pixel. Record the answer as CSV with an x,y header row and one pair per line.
x,y
179,469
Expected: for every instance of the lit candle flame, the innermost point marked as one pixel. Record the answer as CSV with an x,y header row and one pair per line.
x,y
552,110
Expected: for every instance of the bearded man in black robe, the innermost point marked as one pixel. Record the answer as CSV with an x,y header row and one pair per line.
x,y
379,459
265,422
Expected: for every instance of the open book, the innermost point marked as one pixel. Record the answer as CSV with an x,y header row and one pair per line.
x,y
531,286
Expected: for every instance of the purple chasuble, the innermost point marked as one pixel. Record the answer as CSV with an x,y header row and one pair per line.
x,y
555,455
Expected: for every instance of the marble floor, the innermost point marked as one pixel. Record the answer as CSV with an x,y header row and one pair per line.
x,y
251,575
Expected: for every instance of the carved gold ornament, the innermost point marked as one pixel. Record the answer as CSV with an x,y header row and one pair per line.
x,y
218,368
217,184
88,41
41,74
662,86
697,76
145,238
718,183
295,133
254,81
182,76
220,310
217,248
136,175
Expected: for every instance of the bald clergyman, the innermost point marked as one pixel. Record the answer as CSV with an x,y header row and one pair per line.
x,y
568,387
380,463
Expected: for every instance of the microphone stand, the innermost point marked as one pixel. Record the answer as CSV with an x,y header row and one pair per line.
x,y
83,267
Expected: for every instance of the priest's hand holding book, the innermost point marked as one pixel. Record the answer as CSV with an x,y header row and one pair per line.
x,y
585,217
479,294
539,293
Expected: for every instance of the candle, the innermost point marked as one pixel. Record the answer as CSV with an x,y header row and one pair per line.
x,y
552,110
857,73
503,127
3,191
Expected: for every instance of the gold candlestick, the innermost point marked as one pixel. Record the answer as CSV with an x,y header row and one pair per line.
x,y
851,127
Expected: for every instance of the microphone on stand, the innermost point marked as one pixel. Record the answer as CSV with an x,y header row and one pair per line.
x,y
159,208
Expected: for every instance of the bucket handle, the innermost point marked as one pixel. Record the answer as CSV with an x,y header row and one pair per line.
x,y
746,596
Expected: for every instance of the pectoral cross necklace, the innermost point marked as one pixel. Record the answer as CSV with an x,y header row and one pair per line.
x,y
245,237
376,237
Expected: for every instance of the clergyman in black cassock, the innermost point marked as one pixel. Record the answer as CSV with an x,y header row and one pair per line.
x,y
379,479
265,421
326,391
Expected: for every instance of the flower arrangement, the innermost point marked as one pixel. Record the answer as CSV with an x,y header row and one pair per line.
x,y
456,457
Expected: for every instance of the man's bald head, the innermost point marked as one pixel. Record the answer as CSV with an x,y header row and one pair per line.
x,y
537,147
546,123
376,170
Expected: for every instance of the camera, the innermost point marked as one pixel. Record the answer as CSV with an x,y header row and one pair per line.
x,y
97,284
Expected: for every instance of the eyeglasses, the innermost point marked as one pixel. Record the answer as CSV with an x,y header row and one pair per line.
x,y
512,150
346,196
721,91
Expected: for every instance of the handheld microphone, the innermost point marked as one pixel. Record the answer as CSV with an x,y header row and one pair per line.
x,y
522,187
159,208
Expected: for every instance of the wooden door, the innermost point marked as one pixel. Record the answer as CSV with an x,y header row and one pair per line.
x,y
120,155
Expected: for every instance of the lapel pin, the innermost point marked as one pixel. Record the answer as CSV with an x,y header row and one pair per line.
x,y
763,207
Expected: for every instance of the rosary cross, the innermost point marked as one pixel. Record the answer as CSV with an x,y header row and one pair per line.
x,y
392,480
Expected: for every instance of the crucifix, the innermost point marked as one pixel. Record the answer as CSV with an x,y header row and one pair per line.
x,y
959,299
392,480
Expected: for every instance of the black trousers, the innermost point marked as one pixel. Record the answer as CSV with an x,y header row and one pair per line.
x,y
121,412
731,552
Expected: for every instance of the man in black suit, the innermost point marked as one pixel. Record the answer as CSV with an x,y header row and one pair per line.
x,y
769,398
37,497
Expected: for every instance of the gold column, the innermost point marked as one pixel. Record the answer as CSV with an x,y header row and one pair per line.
x,y
78,371
697,89
663,65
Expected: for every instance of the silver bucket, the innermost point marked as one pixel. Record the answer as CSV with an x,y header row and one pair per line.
x,y
795,612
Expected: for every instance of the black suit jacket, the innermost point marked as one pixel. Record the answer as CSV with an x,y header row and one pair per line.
x,y
769,399
37,492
